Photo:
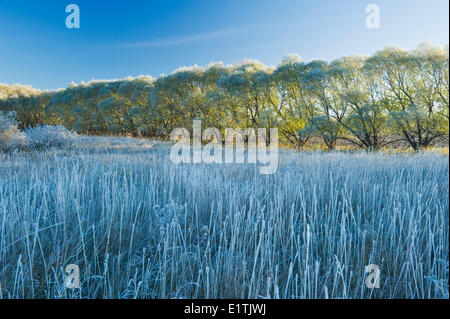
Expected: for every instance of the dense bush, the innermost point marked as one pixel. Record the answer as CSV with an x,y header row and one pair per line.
x,y
10,135
49,136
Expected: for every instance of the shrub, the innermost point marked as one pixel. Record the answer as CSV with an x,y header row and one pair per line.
x,y
10,135
49,136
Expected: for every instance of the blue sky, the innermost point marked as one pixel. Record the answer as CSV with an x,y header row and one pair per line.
x,y
117,39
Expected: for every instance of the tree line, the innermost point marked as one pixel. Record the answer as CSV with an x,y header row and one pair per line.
x,y
373,101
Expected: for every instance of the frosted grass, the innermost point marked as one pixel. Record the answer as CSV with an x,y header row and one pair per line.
x,y
139,226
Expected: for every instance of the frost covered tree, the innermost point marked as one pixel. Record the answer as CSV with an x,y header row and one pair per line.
x,y
10,135
247,92
369,101
297,104
415,92
27,102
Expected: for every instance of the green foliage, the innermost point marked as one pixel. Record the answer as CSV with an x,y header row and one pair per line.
x,y
370,102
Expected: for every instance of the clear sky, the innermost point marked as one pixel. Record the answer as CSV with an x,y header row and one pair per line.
x,y
120,38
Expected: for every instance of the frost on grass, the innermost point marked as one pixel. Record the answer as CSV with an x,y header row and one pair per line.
x,y
139,226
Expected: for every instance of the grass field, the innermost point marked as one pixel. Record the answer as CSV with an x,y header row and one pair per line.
x,y
139,226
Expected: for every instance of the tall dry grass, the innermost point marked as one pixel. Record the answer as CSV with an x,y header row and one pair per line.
x,y
139,226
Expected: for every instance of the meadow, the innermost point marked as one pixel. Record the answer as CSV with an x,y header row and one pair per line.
x,y
139,226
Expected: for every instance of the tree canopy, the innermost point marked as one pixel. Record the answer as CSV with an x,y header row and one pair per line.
x,y
368,101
